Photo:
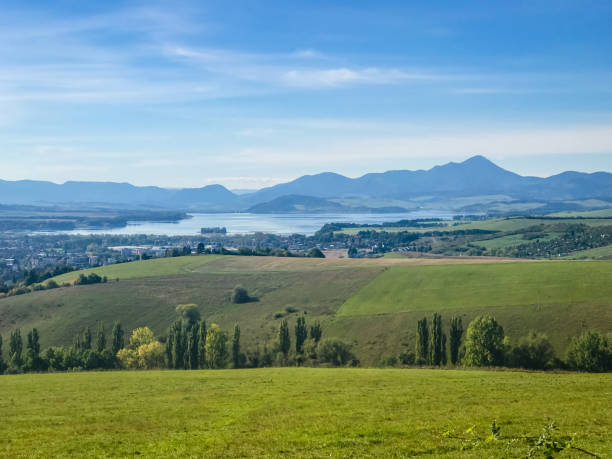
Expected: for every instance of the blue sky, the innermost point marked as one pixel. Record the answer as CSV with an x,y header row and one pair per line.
x,y
248,94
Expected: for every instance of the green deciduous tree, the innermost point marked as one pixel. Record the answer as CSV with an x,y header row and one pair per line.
x,y
191,357
238,359
33,342
240,295
484,343
435,340
16,350
284,340
444,358
86,340
301,334
316,332
100,338
334,352
202,344
456,331
169,351
33,360
178,345
422,342
591,351
118,342
189,313
216,348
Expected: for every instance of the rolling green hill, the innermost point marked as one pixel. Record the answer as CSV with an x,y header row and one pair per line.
x,y
145,268
372,303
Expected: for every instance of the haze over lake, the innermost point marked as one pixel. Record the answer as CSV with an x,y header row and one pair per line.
x,y
244,223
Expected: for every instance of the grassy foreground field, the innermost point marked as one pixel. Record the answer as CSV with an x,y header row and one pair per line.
x,y
295,412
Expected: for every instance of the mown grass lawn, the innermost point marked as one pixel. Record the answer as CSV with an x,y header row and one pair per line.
x,y
295,412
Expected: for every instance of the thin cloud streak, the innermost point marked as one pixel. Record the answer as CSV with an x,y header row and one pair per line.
x,y
495,145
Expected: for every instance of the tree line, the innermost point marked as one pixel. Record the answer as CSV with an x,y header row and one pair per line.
x,y
190,344
485,345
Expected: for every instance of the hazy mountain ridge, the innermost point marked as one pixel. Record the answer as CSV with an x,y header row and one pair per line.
x,y
477,176
41,192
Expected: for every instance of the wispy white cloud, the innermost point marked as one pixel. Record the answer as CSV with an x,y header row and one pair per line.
x,y
490,91
325,78
55,60
308,54
288,70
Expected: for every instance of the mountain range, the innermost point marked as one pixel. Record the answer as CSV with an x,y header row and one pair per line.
x,y
392,191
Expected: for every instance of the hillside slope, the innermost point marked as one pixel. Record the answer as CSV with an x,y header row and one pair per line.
x,y
373,304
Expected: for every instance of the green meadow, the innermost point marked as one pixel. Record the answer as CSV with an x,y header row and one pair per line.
x,y
442,287
297,412
145,268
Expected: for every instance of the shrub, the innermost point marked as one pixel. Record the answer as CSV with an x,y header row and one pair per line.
x,y
533,352
590,351
315,253
389,361
334,352
51,285
93,278
240,295
407,358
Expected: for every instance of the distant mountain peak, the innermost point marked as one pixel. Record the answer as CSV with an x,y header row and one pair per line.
x,y
479,159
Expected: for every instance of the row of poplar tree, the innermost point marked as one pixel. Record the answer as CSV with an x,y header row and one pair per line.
x,y
189,344
431,341
87,352
486,345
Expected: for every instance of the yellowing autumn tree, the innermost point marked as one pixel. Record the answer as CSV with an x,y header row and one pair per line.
x,y
144,351
140,336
